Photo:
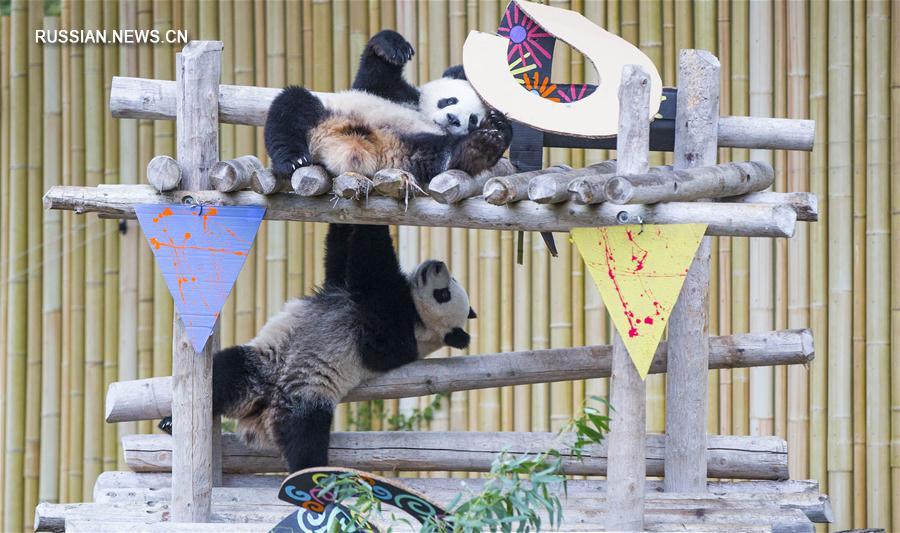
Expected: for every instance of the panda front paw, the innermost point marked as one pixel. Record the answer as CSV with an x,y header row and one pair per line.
x,y
497,121
480,150
392,47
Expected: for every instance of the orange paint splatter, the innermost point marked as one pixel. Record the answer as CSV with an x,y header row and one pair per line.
x,y
187,236
157,244
210,212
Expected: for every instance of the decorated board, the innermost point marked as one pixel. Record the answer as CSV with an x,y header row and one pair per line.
x,y
200,251
511,70
639,270
301,488
305,521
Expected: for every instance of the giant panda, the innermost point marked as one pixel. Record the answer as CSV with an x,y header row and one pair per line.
x,y
384,122
368,317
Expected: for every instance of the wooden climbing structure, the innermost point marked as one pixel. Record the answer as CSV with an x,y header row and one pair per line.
x,y
709,482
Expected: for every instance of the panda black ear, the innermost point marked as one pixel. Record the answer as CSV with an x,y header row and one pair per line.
x,y
472,314
455,72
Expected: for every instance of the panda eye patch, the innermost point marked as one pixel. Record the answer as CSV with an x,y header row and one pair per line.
x,y
442,295
473,120
444,102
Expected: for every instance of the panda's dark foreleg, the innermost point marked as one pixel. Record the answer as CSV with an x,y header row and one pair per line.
x,y
304,432
381,68
293,113
336,244
232,375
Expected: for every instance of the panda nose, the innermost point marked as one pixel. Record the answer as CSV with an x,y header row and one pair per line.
x,y
452,119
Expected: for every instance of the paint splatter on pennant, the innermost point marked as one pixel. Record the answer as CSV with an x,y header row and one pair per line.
x,y
200,252
639,271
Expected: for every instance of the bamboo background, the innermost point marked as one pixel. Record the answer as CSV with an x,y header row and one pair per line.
x,y
82,305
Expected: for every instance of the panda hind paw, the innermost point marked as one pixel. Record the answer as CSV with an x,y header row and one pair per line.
x,y
165,425
285,168
392,47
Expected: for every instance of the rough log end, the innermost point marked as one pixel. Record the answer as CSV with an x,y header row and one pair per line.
x,y
311,181
581,192
445,187
808,344
619,190
495,192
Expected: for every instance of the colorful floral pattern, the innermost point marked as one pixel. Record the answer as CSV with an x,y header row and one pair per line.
x,y
530,57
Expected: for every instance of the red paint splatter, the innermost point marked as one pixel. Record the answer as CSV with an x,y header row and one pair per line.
x,y
610,270
648,320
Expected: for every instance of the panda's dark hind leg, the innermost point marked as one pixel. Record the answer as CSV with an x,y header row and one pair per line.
x,y
304,432
293,113
381,68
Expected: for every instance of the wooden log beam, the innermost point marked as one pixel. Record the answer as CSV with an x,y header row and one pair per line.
x,y
729,457
396,183
579,494
455,185
589,187
550,188
312,180
627,390
153,518
155,99
501,190
164,173
151,399
734,219
804,204
233,174
686,382
352,186
263,181
197,139
719,181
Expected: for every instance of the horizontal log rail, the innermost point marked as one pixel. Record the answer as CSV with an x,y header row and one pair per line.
x,y
729,457
731,219
583,494
148,399
155,99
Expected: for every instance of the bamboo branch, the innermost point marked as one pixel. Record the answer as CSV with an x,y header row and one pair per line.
x,y
758,220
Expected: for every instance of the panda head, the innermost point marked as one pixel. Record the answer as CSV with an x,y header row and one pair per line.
x,y
442,305
452,103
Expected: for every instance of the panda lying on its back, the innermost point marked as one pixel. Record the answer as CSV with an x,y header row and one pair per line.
x,y
385,122
368,317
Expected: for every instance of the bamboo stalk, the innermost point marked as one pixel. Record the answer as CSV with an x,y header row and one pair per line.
x,y
736,422
780,246
818,240
129,242
840,225
94,254
276,253
33,309
798,247
64,426
294,75
262,235
77,279
245,143
895,271
859,264
225,33
17,292
111,309
762,393
4,227
163,144
878,264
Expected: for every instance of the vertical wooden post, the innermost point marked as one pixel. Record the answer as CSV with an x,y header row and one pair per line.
x,y
627,438
696,131
197,137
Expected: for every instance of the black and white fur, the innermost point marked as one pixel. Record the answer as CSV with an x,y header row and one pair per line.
x,y
384,122
367,318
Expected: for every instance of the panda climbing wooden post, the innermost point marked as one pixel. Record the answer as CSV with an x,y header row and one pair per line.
x,y
197,70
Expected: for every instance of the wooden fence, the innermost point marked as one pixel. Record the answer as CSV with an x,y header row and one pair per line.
x,y
71,321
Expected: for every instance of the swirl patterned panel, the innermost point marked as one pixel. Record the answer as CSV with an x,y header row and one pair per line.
x,y
302,489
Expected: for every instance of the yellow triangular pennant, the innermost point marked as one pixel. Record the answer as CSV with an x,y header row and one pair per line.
x,y
639,271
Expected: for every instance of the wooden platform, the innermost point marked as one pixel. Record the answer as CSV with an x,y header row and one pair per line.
x,y
140,503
